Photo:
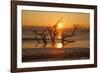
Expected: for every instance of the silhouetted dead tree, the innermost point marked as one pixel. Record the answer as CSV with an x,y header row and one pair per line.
x,y
52,33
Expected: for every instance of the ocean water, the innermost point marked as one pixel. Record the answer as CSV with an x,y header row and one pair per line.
x,y
81,40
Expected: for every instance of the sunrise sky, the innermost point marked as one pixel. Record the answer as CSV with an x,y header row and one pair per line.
x,y
40,18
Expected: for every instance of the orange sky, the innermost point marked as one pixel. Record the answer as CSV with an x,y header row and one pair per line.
x,y
40,18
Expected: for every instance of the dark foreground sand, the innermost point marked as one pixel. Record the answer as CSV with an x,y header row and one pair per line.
x,y
52,54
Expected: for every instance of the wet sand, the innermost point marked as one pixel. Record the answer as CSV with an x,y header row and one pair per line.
x,y
53,54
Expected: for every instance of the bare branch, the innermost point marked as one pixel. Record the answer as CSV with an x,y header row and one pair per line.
x,y
64,36
36,36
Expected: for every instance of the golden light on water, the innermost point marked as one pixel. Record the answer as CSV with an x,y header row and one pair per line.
x,y
59,35
58,45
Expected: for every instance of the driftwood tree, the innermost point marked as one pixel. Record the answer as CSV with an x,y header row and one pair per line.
x,y
51,31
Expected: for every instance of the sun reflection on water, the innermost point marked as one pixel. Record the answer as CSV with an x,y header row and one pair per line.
x,y
58,45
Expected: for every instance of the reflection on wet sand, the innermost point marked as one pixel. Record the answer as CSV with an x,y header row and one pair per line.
x,y
58,45
48,54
